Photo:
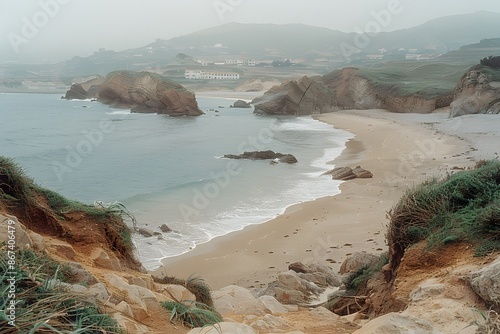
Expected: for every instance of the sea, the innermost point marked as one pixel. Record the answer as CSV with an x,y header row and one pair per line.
x,y
170,170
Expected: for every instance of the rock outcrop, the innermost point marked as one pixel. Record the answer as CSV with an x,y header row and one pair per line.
x,y
342,90
76,92
241,104
486,282
348,173
264,155
476,94
141,92
303,283
302,97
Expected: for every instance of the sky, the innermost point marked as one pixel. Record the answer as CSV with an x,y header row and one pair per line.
x,y
56,30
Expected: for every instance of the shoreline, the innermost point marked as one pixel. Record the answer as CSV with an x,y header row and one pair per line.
x,y
329,228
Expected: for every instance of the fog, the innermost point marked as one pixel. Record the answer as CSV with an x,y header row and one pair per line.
x,y
56,30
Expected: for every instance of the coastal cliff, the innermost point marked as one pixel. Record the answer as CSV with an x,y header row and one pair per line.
x,y
345,89
139,91
478,92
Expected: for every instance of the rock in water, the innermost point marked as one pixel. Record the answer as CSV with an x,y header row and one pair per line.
x,y
165,229
341,173
347,173
76,92
241,104
264,155
141,92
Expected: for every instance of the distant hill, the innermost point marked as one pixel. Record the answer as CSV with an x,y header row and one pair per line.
x,y
485,48
305,43
297,40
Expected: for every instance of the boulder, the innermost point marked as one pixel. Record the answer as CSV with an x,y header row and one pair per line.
x,y
316,273
38,241
298,267
362,173
146,232
124,308
476,94
63,249
129,325
178,293
165,229
288,159
237,300
341,173
274,306
76,288
142,301
14,232
270,323
76,273
224,328
103,260
99,292
288,296
76,92
297,97
394,323
357,261
486,282
324,315
241,104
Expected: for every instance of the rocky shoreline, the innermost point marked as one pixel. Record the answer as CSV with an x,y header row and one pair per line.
x,y
139,91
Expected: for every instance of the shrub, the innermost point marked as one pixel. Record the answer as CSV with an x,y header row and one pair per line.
x,y
463,207
491,61
196,285
193,315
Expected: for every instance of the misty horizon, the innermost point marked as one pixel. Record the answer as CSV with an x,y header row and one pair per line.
x,y
57,30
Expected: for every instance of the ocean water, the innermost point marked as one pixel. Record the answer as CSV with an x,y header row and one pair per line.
x,y
170,170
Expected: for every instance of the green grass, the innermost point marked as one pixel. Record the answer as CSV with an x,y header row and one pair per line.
x,y
428,80
20,191
193,315
42,304
463,207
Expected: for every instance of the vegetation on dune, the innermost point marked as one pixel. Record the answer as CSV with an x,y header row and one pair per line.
x,y
463,207
43,304
195,284
354,299
428,80
32,203
192,314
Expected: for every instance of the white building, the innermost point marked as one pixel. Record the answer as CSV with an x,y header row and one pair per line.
x,y
203,75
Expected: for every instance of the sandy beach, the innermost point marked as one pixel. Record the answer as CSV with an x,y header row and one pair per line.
x,y
400,150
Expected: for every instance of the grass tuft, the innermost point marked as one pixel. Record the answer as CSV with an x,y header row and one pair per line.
x,y
195,284
43,305
194,315
463,207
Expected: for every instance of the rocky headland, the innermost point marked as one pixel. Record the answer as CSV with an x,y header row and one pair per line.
x,y
478,92
139,91
353,88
